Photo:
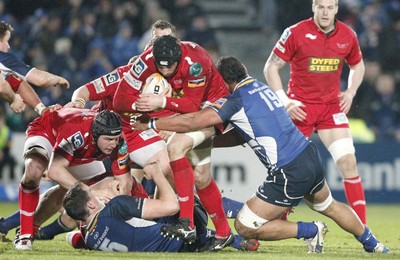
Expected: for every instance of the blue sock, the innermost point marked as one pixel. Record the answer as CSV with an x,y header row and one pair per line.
x,y
236,242
53,229
368,240
9,223
231,207
306,230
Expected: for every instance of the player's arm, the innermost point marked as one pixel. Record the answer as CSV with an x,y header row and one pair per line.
x,y
356,76
58,171
126,94
166,204
271,73
182,123
7,94
45,79
125,183
31,98
79,97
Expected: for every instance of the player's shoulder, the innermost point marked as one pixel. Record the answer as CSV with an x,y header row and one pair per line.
x,y
344,29
302,26
195,59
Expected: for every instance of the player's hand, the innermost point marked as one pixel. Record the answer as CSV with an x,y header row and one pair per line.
x,y
52,108
139,123
149,102
74,104
104,195
18,105
165,135
62,83
294,108
346,99
115,188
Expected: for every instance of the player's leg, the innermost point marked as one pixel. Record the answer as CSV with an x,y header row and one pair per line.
x,y
178,145
210,196
345,217
8,223
340,145
37,152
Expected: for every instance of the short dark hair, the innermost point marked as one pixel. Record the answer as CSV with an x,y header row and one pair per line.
x,y
75,201
231,69
4,27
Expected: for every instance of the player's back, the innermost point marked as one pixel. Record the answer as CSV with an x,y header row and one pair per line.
x,y
266,125
108,232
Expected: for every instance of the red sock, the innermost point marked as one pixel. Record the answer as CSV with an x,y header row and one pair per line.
x,y
28,199
354,192
184,185
211,199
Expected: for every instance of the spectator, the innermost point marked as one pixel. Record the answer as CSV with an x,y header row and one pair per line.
x,y
384,109
201,33
124,45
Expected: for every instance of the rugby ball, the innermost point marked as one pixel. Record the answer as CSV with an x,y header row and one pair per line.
x,y
156,84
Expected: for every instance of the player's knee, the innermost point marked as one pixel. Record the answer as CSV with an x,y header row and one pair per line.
x,y
35,165
202,179
340,148
247,223
347,164
322,206
177,150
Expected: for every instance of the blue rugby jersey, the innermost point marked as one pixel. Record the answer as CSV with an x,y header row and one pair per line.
x,y
119,227
260,117
9,63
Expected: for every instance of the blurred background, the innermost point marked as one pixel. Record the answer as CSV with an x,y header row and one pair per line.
x,y
82,40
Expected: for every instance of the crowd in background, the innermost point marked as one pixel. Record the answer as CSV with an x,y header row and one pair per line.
x,y
82,40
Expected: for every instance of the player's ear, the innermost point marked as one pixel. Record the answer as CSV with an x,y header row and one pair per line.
x,y
91,205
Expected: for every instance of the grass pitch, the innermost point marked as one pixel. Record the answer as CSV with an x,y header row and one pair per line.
x,y
383,220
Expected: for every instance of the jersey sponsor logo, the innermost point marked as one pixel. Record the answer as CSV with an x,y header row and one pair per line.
x,y
323,64
122,161
311,36
72,143
134,83
147,134
219,103
111,78
280,47
340,118
138,67
196,69
195,83
285,35
98,86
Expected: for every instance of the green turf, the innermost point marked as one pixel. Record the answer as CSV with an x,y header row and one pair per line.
x,y
384,221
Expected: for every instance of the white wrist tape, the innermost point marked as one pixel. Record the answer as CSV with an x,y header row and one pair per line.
x,y
39,108
80,101
283,97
